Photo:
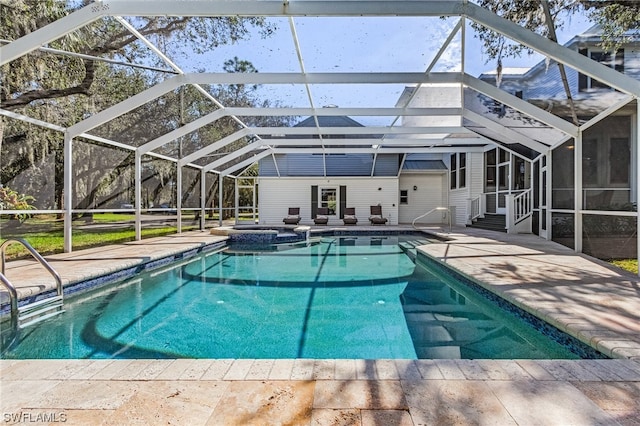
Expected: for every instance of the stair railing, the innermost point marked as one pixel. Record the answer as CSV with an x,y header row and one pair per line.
x,y
431,211
519,208
475,208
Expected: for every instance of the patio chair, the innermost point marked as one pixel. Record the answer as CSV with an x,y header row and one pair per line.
x,y
322,216
350,216
376,217
294,216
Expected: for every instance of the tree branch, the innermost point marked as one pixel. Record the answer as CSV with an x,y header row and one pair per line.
x,y
81,89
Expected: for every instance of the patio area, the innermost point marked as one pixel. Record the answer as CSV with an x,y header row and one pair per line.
x,y
587,298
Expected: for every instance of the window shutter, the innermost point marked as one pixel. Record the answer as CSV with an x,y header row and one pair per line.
x,y
343,200
314,201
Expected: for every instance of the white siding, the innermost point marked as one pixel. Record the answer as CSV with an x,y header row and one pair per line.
x,y
276,195
545,84
459,198
431,192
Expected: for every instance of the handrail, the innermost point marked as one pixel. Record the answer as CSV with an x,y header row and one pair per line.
x,y
475,208
522,206
431,211
36,255
13,296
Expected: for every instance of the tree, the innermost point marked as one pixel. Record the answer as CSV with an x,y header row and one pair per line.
x,y
617,17
106,38
63,89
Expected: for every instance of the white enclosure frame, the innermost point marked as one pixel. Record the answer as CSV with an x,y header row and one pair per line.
x,y
397,139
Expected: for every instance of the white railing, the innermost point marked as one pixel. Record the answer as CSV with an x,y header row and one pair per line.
x,y
475,209
522,207
431,211
519,212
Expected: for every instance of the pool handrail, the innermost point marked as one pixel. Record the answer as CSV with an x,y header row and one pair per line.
x,y
431,211
13,294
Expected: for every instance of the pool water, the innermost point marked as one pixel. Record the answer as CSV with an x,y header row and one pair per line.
x,y
333,297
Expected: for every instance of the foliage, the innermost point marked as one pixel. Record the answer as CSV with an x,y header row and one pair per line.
x,y
616,17
12,200
620,21
64,90
630,265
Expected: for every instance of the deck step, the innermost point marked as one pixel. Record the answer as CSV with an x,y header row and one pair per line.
x,y
490,222
41,318
31,306
408,249
35,312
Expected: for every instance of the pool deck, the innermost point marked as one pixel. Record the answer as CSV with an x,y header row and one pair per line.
x,y
587,298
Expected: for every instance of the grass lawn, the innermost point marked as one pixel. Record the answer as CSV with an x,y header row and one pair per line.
x,y
46,234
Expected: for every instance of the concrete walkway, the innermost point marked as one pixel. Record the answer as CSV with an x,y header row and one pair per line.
x,y
587,298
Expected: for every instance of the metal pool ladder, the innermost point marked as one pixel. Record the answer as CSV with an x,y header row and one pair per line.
x,y
40,310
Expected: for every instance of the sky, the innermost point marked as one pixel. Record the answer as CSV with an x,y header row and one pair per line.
x,y
380,44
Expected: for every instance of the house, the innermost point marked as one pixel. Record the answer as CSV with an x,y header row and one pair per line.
x,y
404,186
595,213
537,168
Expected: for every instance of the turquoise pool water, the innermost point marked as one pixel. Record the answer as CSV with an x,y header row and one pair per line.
x,y
335,297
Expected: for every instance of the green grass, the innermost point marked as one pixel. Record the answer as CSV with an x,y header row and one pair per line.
x,y
53,242
46,234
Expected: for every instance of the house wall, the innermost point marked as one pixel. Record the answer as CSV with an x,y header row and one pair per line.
x,y
431,192
433,96
632,62
546,83
459,198
276,195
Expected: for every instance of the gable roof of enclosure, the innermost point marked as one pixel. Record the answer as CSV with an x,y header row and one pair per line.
x,y
476,128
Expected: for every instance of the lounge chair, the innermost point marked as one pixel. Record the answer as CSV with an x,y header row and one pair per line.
x,y
376,217
294,216
322,216
350,216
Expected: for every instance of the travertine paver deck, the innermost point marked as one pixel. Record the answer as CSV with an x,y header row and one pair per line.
x,y
589,299
583,296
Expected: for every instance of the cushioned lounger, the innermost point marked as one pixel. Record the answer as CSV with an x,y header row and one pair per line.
x,y
294,216
376,217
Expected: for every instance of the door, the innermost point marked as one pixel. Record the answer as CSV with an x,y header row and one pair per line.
x,y
502,184
543,232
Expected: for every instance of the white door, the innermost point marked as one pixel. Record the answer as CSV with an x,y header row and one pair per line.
x,y
502,188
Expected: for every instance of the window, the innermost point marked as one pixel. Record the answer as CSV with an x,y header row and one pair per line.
x,y
605,58
328,198
458,170
454,171
404,196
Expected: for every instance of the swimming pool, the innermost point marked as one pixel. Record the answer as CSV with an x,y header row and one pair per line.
x,y
331,297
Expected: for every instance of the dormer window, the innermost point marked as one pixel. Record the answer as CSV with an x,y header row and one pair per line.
x,y
615,61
